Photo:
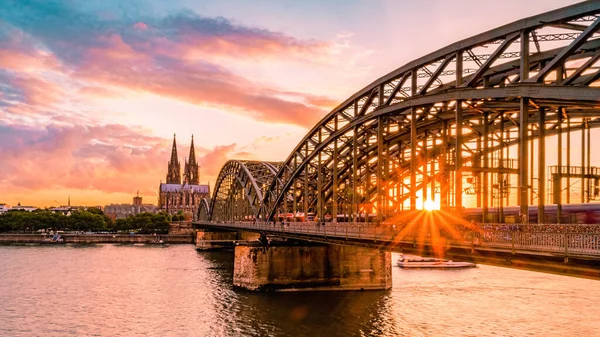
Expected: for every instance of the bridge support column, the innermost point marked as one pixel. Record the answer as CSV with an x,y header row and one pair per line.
x,y
286,267
523,199
219,240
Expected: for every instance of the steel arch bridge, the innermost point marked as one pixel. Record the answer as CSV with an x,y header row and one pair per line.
x,y
482,122
239,190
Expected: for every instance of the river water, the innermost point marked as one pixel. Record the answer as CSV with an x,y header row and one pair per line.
x,y
110,290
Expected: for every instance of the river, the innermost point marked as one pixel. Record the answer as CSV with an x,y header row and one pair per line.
x,y
112,290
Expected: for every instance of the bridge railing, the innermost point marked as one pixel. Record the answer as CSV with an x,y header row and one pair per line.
x,y
566,241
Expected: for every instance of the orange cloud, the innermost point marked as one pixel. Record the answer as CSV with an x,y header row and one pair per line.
x,y
198,83
170,56
213,161
108,159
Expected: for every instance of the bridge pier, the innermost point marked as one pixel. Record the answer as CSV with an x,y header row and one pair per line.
x,y
286,267
210,239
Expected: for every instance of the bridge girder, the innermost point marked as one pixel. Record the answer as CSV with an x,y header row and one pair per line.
x,y
240,188
204,210
453,114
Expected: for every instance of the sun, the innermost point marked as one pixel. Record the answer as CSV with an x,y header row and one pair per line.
x,y
430,205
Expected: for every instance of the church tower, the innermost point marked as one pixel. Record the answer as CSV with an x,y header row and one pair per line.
x,y
192,175
173,171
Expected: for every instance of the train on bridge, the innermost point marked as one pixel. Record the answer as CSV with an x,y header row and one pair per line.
x,y
586,213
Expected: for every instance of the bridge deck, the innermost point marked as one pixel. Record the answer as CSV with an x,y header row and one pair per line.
x,y
574,240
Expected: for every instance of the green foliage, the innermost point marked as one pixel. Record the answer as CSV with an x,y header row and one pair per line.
x,y
178,217
90,220
86,221
107,219
144,223
44,219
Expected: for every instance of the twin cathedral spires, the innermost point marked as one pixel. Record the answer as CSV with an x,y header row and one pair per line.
x,y
191,175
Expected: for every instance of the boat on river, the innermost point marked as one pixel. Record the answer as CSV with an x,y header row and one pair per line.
x,y
429,262
55,238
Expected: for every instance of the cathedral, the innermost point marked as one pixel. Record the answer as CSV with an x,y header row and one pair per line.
x,y
175,196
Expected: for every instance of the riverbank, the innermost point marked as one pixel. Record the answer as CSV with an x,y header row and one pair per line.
x,y
96,238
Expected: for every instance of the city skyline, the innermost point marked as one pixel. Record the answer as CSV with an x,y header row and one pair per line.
x,y
94,92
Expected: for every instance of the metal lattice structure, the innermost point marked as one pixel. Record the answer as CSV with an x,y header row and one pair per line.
x,y
240,190
463,125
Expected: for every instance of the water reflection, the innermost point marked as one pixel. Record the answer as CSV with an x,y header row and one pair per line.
x,y
110,290
327,313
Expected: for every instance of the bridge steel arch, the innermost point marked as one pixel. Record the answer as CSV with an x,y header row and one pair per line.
x,y
239,189
203,210
464,123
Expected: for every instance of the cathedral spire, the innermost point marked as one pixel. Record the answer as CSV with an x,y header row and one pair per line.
x,y
174,151
192,156
173,171
192,175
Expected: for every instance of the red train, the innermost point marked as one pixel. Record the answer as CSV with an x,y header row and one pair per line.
x,y
570,214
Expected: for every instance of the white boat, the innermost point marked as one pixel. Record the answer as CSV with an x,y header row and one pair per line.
x,y
429,262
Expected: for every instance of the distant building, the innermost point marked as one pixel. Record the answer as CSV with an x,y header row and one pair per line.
x,y
174,196
4,208
120,211
68,209
137,200
23,208
137,203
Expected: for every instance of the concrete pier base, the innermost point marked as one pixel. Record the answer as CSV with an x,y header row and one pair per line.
x,y
220,240
284,267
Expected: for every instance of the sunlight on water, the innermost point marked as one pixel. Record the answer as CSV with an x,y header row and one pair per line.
x,y
108,290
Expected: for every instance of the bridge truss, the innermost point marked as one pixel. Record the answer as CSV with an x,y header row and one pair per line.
x,y
476,123
239,190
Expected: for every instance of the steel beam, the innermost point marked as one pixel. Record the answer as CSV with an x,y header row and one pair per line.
x,y
486,165
562,56
541,165
380,173
557,185
582,161
413,158
458,158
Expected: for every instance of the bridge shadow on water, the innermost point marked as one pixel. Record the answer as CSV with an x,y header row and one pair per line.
x,y
306,313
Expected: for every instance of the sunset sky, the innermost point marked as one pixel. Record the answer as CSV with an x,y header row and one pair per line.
x,y
91,92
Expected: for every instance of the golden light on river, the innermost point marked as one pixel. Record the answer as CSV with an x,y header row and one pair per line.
x,y
430,226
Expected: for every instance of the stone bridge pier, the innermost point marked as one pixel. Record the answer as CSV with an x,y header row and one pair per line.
x,y
213,239
285,266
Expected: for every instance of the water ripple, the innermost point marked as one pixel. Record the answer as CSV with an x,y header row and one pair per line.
x,y
108,290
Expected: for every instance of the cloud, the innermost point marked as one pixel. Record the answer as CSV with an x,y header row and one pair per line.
x,y
62,63
199,83
170,55
213,161
219,35
97,91
243,155
36,91
140,25
107,158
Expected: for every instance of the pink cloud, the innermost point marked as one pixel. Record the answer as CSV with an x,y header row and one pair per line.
x,y
140,25
159,65
97,91
213,161
37,91
243,155
198,83
108,159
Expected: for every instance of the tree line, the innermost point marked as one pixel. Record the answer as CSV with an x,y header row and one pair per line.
x,y
92,219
